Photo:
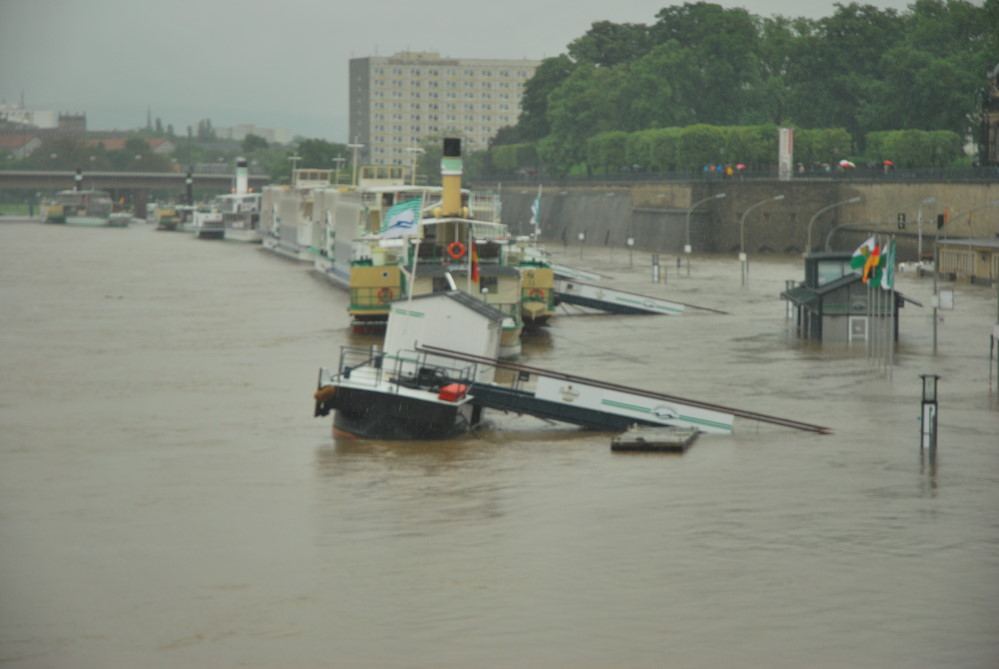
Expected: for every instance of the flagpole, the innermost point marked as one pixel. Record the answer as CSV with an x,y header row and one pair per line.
x,y
870,322
882,299
412,276
879,297
894,310
416,246
889,338
876,308
879,310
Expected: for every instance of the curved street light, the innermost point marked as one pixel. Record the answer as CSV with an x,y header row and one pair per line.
x,y
808,243
879,223
355,146
687,249
338,161
742,232
919,219
416,151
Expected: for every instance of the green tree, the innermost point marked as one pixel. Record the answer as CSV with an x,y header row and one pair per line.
x,y
205,130
188,153
607,44
319,153
724,44
751,145
838,68
510,158
659,89
701,145
665,148
253,143
532,123
583,106
607,152
63,153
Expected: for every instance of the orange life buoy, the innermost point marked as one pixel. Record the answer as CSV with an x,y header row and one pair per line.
x,y
537,293
456,250
385,294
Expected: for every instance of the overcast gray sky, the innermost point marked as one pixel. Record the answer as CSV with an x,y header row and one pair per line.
x,y
275,64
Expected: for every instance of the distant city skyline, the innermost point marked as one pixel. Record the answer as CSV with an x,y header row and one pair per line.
x,y
286,67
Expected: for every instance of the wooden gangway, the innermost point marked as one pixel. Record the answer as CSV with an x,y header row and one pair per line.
x,y
620,405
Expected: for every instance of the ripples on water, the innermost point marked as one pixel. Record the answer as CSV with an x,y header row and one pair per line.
x,y
167,499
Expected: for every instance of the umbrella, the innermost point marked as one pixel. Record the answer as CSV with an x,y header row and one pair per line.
x,y
740,166
846,163
887,162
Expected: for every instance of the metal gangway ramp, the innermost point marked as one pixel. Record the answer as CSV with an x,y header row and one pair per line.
x,y
600,405
618,301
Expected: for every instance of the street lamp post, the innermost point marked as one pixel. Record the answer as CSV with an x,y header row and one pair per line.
x,y
687,248
742,232
338,161
808,243
355,147
919,227
416,151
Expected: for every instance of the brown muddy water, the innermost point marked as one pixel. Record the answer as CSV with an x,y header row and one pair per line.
x,y
167,498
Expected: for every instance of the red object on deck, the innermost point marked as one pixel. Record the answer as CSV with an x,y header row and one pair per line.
x,y
452,392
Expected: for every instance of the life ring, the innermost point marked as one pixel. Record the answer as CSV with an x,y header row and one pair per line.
x,y
456,250
537,293
385,294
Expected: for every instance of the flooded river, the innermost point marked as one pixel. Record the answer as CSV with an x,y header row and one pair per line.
x,y
167,498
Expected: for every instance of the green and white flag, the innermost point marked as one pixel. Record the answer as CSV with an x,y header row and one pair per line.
x,y
536,209
888,273
402,219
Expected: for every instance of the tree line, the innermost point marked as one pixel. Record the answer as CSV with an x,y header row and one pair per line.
x,y
705,83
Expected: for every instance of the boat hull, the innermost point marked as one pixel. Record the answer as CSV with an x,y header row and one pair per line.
x,y
372,414
210,232
89,221
247,236
287,250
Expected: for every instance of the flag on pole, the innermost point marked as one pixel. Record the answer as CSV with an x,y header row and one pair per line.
x,y
872,268
402,219
888,272
862,254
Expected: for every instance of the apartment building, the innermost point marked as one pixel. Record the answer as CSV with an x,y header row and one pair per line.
x,y
397,101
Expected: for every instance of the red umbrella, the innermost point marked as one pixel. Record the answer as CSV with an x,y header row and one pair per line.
x,y
740,166
887,162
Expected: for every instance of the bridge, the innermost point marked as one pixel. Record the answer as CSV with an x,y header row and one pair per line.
x,y
56,180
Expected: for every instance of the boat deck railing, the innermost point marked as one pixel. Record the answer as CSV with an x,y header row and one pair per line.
x,y
407,369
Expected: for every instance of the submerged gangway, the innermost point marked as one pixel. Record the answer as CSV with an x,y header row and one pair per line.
x,y
599,404
574,286
618,301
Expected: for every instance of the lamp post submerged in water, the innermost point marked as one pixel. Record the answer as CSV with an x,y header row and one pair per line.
x,y
742,233
687,248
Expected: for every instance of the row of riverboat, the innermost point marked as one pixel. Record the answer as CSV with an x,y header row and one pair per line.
x,y
381,239
385,240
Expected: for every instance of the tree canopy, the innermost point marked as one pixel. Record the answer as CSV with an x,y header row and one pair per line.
x,y
862,69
